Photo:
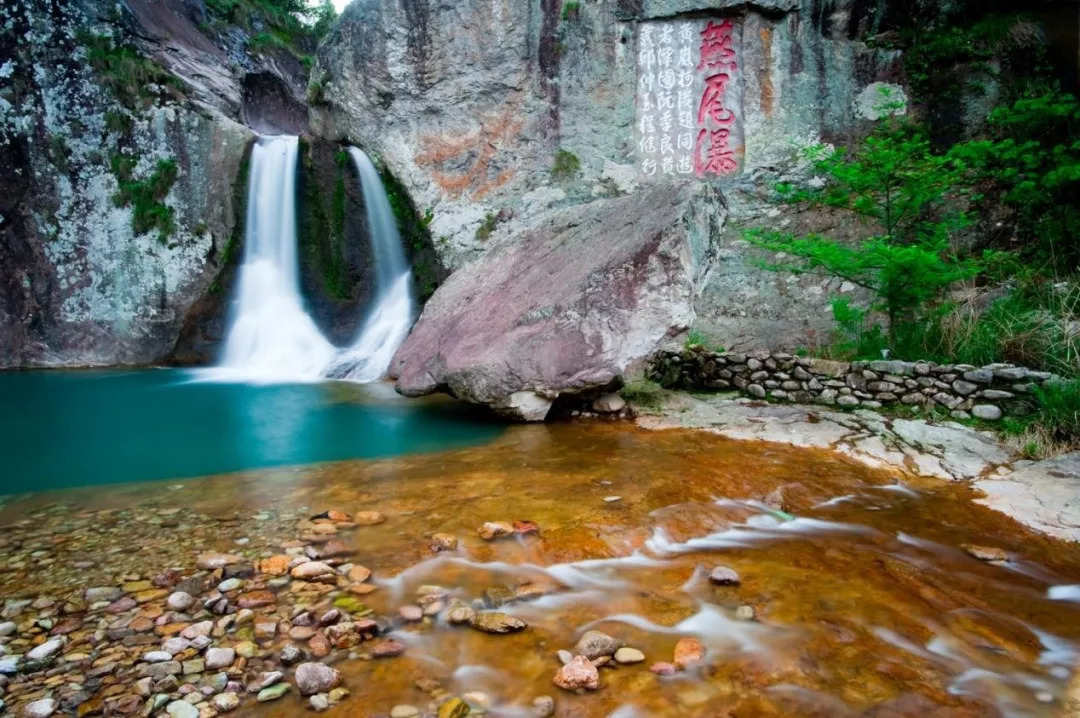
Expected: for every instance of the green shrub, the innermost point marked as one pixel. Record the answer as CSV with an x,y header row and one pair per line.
x,y
566,165
643,393
491,220
126,73
1037,324
146,197
571,10
1059,403
914,196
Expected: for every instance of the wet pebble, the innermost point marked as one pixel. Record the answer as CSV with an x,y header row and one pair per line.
x,y
628,655
180,601
272,693
41,708
495,529
578,674
724,576
543,707
411,613
663,669
612,499
404,711
225,702
986,553
745,613
46,650
495,622
312,678
688,652
319,702
594,644
219,658
443,542
182,709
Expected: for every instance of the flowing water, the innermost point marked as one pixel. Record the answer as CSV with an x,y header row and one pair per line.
x,y
391,316
863,600
271,337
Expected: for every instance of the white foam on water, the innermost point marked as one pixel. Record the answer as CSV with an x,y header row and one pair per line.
x,y
391,316
757,529
271,337
710,624
836,500
900,489
1064,593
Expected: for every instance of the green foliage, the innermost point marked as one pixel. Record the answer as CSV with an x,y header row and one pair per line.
x,y
322,229
126,73
292,25
566,165
118,121
695,338
264,41
913,196
644,393
571,10
1059,403
146,197
491,220
1031,165
1037,324
415,234
1009,41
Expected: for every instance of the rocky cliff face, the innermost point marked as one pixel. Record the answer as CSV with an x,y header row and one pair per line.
x,y
123,134
493,112
114,220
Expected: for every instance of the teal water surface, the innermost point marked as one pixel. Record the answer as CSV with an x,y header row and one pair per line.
x,y
63,429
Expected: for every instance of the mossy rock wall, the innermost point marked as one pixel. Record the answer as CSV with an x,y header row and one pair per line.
x,y
336,271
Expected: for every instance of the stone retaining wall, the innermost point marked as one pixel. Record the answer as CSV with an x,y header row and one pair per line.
x,y
988,392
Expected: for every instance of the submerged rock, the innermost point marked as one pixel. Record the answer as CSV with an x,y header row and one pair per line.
x,y
594,644
495,529
578,674
989,554
724,576
689,652
618,279
495,622
627,655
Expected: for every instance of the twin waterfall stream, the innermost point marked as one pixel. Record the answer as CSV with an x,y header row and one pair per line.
x,y
271,336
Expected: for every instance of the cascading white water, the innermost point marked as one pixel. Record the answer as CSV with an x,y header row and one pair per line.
x,y
391,316
271,337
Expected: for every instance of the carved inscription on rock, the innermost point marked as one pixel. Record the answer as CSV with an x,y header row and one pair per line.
x,y
689,98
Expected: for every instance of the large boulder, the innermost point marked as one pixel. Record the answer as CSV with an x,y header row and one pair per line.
x,y
567,306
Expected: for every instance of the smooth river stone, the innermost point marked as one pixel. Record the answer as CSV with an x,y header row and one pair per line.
x,y
594,644
312,570
274,565
495,622
312,678
688,652
724,576
211,561
578,674
256,599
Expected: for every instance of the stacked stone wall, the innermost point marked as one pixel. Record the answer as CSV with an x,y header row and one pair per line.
x,y
989,392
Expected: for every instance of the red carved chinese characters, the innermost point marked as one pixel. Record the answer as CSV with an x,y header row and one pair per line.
x,y
713,153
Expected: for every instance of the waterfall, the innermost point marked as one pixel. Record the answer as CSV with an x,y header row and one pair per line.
x,y
391,316
271,336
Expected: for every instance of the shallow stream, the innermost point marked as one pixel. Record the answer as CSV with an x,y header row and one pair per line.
x,y
863,600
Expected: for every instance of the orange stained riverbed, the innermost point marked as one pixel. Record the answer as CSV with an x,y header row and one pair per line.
x,y
865,603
